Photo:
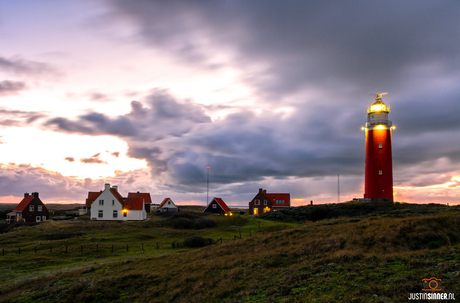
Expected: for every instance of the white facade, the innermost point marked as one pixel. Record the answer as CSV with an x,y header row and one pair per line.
x,y
107,207
169,206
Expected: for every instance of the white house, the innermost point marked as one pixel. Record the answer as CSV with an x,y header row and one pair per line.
x,y
168,205
110,205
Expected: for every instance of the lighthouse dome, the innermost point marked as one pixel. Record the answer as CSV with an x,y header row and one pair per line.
x,y
378,114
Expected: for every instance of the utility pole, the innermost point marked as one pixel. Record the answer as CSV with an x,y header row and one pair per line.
x,y
207,188
338,187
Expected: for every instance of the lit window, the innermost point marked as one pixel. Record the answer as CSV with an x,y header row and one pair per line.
x,y
125,213
101,202
380,145
380,172
31,208
100,214
39,208
115,214
214,206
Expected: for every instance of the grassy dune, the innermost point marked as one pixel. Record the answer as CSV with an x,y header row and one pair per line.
x,y
380,258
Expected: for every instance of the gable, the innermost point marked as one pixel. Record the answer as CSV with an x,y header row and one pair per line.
x,y
163,203
220,206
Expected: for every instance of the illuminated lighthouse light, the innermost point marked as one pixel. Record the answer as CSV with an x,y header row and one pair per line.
x,y
378,184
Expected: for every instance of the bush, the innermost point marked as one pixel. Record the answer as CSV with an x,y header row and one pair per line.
x,y
189,220
197,241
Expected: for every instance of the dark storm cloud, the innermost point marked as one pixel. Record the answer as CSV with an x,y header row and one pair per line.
x,y
93,160
366,45
11,87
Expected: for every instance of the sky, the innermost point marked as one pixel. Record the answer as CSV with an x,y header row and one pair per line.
x,y
269,94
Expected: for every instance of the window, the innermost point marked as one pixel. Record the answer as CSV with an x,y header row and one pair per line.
x,y
380,145
169,202
214,206
100,214
265,202
37,219
101,202
113,202
279,202
380,172
256,202
31,208
43,218
125,214
115,214
39,208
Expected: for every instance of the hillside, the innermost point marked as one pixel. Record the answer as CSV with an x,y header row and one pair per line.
x,y
368,259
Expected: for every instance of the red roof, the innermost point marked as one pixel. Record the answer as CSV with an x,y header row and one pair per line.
x,y
144,196
92,196
222,204
133,203
274,197
23,204
116,194
164,201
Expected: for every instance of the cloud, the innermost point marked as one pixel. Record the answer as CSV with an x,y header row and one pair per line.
x,y
70,159
27,68
93,160
18,117
11,87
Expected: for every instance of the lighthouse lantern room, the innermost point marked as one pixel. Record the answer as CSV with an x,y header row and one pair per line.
x,y
378,185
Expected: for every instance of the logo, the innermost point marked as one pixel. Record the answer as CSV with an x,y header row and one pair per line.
x,y
432,284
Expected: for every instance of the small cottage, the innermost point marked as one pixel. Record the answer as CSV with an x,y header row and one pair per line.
x,y
168,205
217,206
30,209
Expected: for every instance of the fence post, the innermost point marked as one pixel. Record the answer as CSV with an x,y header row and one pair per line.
x,y
97,247
158,247
250,234
240,232
35,249
142,246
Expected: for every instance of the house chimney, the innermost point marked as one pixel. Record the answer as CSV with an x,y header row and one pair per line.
x,y
264,191
260,190
115,187
138,192
107,186
26,194
35,195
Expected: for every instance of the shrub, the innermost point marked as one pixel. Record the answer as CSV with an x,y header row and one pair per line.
x,y
197,241
189,220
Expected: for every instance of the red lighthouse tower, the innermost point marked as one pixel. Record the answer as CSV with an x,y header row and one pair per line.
x,y
379,167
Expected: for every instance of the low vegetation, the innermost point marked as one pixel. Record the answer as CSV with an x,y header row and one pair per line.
x,y
374,257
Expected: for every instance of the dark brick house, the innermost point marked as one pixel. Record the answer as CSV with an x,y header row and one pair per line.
x,y
217,206
264,202
30,209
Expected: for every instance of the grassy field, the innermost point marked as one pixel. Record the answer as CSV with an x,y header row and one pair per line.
x,y
374,258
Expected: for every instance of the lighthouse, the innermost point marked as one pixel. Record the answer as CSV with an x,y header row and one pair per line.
x,y
378,184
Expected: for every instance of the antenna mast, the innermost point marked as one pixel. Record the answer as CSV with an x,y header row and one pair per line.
x,y
207,187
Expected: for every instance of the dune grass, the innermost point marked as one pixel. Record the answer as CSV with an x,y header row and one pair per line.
x,y
370,259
